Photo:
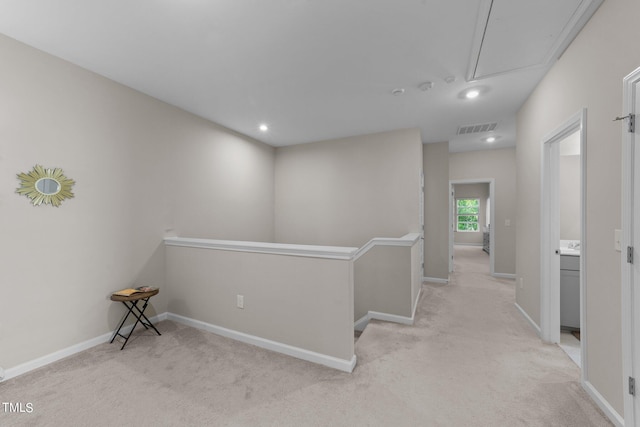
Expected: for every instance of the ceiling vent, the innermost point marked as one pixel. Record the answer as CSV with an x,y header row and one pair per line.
x,y
485,127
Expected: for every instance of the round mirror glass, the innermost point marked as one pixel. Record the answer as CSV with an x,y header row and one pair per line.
x,y
47,186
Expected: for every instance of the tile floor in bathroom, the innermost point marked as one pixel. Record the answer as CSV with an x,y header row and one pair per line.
x,y
571,346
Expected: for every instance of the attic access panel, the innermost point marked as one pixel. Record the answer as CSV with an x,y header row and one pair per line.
x,y
517,34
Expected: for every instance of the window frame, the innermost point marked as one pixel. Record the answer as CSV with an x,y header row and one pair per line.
x,y
458,215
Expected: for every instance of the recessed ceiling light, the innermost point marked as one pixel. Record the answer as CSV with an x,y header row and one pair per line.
x,y
450,79
398,91
264,127
491,139
473,93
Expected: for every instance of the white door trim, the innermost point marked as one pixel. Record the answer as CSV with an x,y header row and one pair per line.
x,y
629,365
549,261
451,225
492,217
421,216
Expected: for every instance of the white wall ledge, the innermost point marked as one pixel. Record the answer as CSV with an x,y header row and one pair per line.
x,y
406,240
329,252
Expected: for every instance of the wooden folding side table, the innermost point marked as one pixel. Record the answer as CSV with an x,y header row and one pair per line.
x,y
131,302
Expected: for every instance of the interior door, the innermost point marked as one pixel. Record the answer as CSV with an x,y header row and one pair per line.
x,y
635,227
552,249
630,238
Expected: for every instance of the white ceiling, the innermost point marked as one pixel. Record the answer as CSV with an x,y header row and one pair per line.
x,y
316,69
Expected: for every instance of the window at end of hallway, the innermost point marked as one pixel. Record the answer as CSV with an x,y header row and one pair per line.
x,y
467,211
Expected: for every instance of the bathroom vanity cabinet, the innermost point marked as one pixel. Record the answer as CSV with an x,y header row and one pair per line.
x,y
570,292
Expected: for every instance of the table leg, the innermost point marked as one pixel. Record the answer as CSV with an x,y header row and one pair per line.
x,y
138,316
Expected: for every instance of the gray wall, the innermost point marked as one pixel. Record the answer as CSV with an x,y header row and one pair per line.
x,y
344,192
589,74
436,210
303,302
142,169
223,185
501,166
382,281
569,197
472,191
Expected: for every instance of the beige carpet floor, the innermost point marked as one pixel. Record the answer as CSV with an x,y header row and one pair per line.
x,y
469,360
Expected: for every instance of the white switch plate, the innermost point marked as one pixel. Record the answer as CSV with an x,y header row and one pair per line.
x,y
617,235
240,301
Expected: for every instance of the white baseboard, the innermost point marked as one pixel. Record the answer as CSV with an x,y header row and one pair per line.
x,y
322,359
362,323
435,280
69,351
529,319
602,403
415,305
467,244
391,318
504,276
300,353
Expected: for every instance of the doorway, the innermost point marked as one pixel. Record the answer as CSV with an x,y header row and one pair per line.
x,y
570,245
486,210
629,236
551,250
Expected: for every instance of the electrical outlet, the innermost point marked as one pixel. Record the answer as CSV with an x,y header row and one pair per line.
x,y
507,223
240,301
521,282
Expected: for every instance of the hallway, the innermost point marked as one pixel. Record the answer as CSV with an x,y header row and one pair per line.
x,y
478,347
470,359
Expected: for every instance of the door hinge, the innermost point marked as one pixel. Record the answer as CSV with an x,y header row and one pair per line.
x,y
632,386
630,254
631,122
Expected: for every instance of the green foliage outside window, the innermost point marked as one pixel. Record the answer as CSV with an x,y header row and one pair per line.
x,y
467,214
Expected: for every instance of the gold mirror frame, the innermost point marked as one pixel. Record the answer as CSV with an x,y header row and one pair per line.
x,y
29,186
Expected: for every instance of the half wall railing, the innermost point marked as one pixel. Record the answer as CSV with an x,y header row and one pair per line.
x,y
299,300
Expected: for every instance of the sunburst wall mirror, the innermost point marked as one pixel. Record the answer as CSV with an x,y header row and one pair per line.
x,y
45,186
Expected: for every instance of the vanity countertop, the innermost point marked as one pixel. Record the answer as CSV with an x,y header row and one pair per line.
x,y
570,247
569,252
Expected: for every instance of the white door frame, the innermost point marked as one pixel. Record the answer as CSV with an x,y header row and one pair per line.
x,y
550,233
421,216
630,327
492,217
452,198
